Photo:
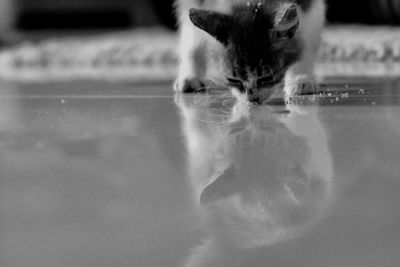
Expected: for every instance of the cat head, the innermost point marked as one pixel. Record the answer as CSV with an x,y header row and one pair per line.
x,y
260,44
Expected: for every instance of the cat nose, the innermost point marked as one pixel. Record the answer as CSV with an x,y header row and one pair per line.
x,y
252,91
253,98
252,95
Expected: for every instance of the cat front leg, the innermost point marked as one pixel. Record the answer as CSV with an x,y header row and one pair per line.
x,y
300,78
300,84
192,65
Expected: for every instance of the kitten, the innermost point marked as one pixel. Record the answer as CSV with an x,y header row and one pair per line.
x,y
256,47
259,175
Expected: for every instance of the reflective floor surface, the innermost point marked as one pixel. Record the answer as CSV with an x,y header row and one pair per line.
x,y
99,174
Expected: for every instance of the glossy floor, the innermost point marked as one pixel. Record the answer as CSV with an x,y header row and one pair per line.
x,y
104,174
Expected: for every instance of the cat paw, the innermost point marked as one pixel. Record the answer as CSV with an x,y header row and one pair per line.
x,y
189,85
301,86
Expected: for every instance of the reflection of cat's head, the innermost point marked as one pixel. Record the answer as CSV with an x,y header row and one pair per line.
x,y
262,183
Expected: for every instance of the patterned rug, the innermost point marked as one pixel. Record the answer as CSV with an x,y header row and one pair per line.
x,y
151,55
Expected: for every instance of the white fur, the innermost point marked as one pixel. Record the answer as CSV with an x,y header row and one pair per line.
x,y
196,47
258,212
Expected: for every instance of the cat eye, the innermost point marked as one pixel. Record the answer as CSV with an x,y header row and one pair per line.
x,y
265,81
236,83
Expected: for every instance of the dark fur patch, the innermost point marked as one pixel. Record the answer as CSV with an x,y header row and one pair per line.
x,y
305,5
259,38
216,24
251,49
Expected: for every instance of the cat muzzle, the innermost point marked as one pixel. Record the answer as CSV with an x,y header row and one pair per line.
x,y
252,95
259,95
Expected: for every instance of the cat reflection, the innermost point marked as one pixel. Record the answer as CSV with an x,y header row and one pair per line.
x,y
259,174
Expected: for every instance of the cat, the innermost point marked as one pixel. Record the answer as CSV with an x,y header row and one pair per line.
x,y
255,47
259,174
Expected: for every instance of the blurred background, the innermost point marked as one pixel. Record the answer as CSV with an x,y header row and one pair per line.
x,y
30,15
90,175
135,39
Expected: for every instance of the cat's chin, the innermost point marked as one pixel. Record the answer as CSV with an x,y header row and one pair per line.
x,y
264,96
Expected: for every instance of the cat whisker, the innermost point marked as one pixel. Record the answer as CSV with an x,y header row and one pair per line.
x,y
218,82
225,103
224,115
214,124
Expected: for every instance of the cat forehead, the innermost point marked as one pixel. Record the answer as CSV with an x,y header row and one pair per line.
x,y
305,5
252,50
252,25
249,37
253,13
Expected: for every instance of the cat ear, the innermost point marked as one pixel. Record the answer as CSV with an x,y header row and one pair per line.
x,y
214,23
221,187
286,22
